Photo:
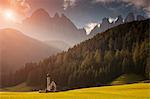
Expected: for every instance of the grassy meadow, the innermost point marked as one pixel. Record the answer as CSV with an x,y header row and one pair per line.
x,y
127,79
129,91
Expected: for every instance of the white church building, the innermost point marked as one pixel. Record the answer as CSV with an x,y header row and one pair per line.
x,y
51,85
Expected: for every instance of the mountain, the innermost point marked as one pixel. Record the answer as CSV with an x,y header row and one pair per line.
x,y
123,49
105,25
58,44
118,21
95,30
140,17
130,17
18,49
58,27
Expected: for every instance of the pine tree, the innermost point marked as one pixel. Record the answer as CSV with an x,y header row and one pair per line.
x,y
98,57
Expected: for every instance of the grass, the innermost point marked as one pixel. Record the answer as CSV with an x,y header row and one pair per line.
x,y
129,91
123,79
19,88
127,79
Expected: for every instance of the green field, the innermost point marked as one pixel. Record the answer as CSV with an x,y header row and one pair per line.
x,y
127,78
129,91
19,88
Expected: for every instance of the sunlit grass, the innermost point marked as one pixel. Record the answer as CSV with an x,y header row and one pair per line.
x,y
127,78
130,91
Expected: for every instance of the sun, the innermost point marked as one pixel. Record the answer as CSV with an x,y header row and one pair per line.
x,y
9,15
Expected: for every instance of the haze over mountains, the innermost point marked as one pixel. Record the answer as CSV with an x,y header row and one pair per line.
x,y
18,49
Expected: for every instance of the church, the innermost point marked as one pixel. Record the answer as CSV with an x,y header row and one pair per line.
x,y
51,85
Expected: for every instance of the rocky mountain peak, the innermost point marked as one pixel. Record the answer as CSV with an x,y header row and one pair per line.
x,y
119,20
56,16
40,12
105,21
130,17
140,17
40,16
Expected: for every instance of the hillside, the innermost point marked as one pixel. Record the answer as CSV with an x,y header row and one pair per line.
x,y
127,79
97,61
18,49
130,91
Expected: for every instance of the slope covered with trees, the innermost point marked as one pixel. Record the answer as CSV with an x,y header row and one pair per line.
x,y
121,50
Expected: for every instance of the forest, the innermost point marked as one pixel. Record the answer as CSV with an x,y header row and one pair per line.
x,y
97,61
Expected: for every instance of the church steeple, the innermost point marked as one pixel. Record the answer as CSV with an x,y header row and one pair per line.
x,y
51,85
48,83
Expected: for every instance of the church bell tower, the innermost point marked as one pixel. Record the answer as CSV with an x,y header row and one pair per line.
x,y
48,83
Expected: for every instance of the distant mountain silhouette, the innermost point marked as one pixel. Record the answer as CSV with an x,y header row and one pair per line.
x,y
119,21
130,17
105,25
18,49
140,17
53,28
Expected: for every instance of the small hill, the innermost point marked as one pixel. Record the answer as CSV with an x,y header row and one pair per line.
x,y
18,49
127,78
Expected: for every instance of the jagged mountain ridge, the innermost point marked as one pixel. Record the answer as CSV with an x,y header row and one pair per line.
x,y
63,29
53,28
107,25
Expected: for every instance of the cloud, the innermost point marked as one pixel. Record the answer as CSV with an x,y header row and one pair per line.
x,y
68,3
104,1
140,4
89,27
19,6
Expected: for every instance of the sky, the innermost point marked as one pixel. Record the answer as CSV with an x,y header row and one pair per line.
x,y
83,13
